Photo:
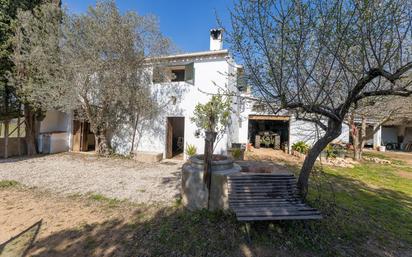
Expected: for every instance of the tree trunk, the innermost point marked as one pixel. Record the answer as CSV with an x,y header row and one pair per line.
x,y
333,131
356,137
356,147
30,119
96,143
359,139
136,122
357,153
207,158
104,147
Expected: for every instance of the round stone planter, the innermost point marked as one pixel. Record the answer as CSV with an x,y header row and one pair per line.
x,y
194,191
219,162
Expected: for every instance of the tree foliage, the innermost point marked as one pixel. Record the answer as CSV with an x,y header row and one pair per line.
x,y
9,105
213,116
39,76
8,13
23,25
106,52
318,58
96,64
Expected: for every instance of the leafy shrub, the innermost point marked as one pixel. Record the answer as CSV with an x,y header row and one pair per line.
x,y
237,153
330,151
301,147
191,150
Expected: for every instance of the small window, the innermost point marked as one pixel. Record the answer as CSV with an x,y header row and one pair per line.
x,y
178,75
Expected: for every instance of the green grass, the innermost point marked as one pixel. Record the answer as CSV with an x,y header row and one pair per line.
x,y
367,212
8,183
377,197
111,202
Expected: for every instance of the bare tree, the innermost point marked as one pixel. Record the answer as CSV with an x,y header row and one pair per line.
x,y
375,112
106,53
320,57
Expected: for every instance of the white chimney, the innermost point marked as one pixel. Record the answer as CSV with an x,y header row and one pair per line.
x,y
216,39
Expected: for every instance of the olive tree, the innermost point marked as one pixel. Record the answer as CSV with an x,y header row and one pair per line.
x,y
37,75
106,53
213,118
95,64
320,57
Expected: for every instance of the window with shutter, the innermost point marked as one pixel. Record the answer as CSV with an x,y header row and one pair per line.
x,y
178,74
190,73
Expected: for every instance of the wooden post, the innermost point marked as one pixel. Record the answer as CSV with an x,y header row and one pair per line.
x,y
6,139
18,136
207,173
136,122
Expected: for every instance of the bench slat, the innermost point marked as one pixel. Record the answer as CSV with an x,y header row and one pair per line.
x,y
267,197
307,217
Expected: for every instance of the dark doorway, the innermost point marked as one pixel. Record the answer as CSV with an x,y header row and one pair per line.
x,y
83,138
175,136
263,128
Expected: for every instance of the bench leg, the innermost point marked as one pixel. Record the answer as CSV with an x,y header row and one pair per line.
x,y
247,230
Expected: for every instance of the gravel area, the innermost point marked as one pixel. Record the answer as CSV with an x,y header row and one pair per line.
x,y
71,173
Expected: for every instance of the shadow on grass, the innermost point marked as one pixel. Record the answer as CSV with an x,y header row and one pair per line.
x,y
363,221
20,244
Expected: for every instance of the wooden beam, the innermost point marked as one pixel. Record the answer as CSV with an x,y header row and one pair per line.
x,y
269,117
18,137
6,139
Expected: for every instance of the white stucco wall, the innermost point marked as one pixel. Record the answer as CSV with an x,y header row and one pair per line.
x,y
298,130
58,127
310,133
151,136
55,121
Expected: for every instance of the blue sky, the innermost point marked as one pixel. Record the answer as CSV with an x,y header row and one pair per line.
x,y
186,22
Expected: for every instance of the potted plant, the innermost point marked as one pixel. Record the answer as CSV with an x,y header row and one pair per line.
x,y
191,150
237,153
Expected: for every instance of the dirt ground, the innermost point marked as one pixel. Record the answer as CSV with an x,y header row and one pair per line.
x,y
39,223
80,225
64,225
269,154
119,178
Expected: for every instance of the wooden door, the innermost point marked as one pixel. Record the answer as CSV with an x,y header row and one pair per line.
x,y
84,146
169,138
76,135
80,134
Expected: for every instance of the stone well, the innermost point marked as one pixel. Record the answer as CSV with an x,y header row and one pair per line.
x,y
195,192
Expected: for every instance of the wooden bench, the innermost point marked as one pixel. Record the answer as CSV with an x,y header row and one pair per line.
x,y
262,196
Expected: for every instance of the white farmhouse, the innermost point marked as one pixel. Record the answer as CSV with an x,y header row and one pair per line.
x,y
197,76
